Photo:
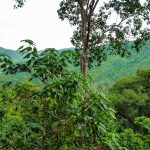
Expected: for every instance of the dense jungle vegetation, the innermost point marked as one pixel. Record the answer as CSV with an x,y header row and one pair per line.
x,y
93,97
103,76
49,112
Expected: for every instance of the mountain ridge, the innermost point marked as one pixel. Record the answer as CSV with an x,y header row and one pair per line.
x,y
105,75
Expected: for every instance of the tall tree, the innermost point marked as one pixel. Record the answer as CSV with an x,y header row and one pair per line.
x,y
103,24
100,23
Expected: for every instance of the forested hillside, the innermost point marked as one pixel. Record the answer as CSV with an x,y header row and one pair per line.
x,y
12,53
105,75
54,109
95,96
116,67
16,57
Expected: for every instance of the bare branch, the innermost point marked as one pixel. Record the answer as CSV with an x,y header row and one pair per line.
x,y
95,6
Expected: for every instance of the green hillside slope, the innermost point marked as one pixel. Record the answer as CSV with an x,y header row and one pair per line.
x,y
12,53
16,58
104,76
116,67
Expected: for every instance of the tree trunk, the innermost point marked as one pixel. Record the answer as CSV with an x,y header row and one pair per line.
x,y
85,38
83,64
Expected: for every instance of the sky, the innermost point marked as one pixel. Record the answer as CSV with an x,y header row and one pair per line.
x,y
37,20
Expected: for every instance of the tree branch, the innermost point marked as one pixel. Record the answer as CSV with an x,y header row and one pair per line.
x,y
126,117
94,6
111,28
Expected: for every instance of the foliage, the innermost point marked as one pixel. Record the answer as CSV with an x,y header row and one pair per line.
x,y
143,121
47,117
96,33
45,65
11,53
104,76
116,67
131,98
54,114
62,112
33,114
19,3
134,141
58,114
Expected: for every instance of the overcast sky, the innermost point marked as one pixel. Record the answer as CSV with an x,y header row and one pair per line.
x,y
37,20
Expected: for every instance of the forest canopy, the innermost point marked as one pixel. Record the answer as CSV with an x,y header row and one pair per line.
x,y
58,106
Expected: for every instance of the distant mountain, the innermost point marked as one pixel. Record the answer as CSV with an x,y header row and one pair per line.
x,y
16,57
104,76
116,67
69,48
12,53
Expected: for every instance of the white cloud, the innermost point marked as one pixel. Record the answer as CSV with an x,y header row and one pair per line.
x,y
37,20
